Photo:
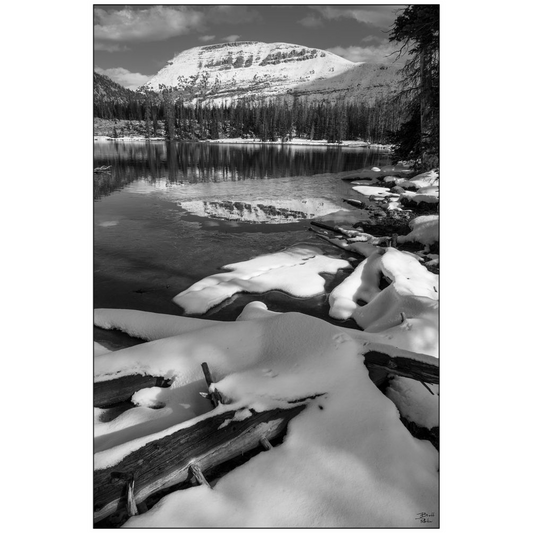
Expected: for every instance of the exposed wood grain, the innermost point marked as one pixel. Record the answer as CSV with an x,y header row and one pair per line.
x,y
215,396
131,505
402,366
115,391
265,443
166,462
198,474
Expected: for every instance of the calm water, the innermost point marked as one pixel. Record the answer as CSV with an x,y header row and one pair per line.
x,y
157,225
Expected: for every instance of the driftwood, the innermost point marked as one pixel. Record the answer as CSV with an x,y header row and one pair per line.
x,y
335,229
187,455
215,396
355,203
102,169
183,456
346,233
360,248
403,366
339,243
115,391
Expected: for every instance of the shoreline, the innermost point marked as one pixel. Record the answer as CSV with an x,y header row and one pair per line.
x,y
296,142
269,316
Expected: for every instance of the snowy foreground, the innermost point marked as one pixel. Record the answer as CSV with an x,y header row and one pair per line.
x,y
347,460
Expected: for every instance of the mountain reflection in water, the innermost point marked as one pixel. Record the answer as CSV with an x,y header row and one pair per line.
x,y
284,211
166,216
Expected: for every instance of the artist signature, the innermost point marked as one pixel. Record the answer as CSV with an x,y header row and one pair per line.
x,y
425,518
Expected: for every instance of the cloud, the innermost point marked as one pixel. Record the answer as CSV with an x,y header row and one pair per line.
x,y
232,15
109,47
155,23
382,53
373,39
310,21
379,16
131,24
130,80
231,38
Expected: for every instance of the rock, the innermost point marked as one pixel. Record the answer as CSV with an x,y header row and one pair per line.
x,y
397,189
392,179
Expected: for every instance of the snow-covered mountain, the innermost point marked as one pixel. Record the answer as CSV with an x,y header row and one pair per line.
x,y
223,72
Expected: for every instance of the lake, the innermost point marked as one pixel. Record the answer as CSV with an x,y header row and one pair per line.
x,y
168,215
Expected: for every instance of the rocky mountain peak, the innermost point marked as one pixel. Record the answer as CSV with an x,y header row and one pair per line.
x,y
220,73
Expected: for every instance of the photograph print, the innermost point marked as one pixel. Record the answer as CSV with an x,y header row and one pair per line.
x,y
266,266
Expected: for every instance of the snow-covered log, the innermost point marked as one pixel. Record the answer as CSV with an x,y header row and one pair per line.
x,y
329,227
111,392
355,203
403,366
167,461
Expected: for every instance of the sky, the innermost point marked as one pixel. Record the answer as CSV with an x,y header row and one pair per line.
x,y
133,42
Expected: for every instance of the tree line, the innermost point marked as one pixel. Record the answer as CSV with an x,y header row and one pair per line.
x,y
268,120
408,120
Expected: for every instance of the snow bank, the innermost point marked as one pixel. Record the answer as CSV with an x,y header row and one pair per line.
x,y
406,310
373,191
426,179
299,142
426,186
361,284
430,196
145,325
343,218
425,230
295,270
346,461
397,180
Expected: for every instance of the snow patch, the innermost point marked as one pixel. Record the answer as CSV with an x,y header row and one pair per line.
x,y
424,229
146,325
426,179
295,270
373,191
406,311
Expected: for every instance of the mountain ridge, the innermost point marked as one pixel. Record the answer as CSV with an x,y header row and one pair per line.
x,y
107,90
225,72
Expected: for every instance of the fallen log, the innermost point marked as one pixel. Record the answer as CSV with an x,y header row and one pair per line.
x,y
115,391
402,366
421,432
355,203
179,458
361,248
335,229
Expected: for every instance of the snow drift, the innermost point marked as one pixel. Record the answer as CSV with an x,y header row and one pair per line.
x,y
346,461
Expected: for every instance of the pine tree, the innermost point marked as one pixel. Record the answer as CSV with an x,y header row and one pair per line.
x,y
417,28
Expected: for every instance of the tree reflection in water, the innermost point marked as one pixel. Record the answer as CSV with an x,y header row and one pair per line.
x,y
208,162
